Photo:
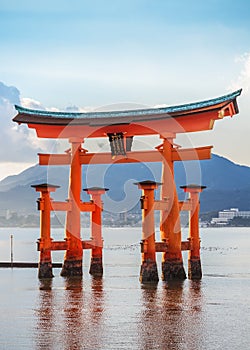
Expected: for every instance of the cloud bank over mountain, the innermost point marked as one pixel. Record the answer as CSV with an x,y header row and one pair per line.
x,y
18,144
9,94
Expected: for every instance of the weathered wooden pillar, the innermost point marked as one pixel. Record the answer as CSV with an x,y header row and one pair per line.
x,y
194,262
72,265
44,205
172,264
148,273
96,267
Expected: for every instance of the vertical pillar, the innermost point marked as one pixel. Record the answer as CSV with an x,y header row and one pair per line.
x,y
148,273
96,267
170,227
72,265
44,205
194,262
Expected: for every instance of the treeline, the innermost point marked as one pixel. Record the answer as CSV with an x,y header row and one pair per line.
x,y
239,221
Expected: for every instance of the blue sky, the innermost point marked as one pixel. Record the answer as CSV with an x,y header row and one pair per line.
x,y
92,53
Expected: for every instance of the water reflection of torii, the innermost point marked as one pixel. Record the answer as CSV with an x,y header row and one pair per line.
x,y
172,317
77,313
121,127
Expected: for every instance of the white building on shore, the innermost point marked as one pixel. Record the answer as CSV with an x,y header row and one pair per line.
x,y
226,215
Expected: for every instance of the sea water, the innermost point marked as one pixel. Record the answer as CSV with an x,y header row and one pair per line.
x,y
116,311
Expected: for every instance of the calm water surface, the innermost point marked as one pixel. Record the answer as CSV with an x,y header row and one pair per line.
x,y
117,312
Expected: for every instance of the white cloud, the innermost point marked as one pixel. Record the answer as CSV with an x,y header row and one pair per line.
x,y
30,103
243,80
18,143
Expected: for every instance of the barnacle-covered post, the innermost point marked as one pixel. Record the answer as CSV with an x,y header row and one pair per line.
x,y
96,266
194,261
148,273
44,243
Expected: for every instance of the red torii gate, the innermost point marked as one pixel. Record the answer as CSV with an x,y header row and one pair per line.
x,y
121,127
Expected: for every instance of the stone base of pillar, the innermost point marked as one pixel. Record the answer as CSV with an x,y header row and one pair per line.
x,y
173,270
194,269
149,273
71,268
96,268
45,270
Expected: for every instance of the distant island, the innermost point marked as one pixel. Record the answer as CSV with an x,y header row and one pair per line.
x,y
225,218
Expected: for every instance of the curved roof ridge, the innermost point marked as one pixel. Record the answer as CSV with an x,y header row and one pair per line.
x,y
125,113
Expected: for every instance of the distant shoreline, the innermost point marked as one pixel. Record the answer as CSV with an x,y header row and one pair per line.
x,y
117,226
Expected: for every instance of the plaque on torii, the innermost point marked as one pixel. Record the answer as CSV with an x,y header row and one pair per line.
x,y
120,127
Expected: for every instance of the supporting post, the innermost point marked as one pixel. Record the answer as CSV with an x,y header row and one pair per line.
x,y
194,262
96,267
148,273
44,205
172,264
72,265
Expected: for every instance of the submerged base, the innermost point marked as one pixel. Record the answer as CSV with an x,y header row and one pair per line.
x,y
149,273
194,269
173,270
96,268
45,270
72,268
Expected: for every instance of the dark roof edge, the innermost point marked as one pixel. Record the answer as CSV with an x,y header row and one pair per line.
x,y
138,112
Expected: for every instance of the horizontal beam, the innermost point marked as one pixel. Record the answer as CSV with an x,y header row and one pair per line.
x,y
163,246
66,206
131,157
64,245
61,206
54,159
185,245
54,245
180,154
91,244
87,206
185,206
59,245
198,153
161,205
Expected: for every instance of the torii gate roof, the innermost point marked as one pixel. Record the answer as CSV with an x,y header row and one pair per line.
x,y
190,117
